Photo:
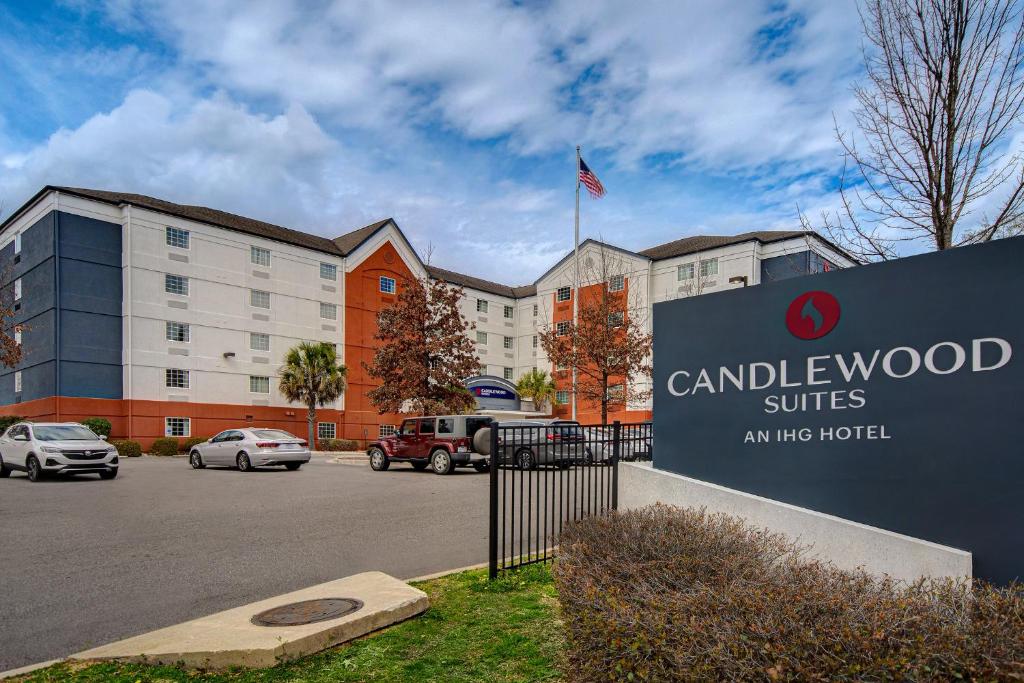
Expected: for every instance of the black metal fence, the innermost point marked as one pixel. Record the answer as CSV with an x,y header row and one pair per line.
x,y
543,476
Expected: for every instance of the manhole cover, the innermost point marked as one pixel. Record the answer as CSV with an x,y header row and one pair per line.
x,y
307,612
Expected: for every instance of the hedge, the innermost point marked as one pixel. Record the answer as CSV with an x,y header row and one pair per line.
x,y
338,445
165,445
188,443
127,449
98,425
8,420
666,594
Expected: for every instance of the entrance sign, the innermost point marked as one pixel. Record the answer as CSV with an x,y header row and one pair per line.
x,y
890,394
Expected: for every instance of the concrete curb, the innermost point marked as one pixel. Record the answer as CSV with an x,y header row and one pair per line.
x,y
27,669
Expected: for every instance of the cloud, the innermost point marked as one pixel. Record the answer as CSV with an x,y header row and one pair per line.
x,y
723,87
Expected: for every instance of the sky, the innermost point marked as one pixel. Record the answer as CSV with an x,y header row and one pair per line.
x,y
458,119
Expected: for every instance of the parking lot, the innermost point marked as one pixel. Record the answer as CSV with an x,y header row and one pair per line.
x,y
84,562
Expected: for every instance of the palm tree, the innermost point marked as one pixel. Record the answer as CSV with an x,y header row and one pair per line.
x,y
536,385
312,375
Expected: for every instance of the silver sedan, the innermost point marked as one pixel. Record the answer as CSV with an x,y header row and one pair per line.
x,y
249,448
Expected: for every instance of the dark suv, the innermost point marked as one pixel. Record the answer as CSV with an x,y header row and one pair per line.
x,y
441,442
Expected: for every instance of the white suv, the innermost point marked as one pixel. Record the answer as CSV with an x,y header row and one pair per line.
x,y
43,448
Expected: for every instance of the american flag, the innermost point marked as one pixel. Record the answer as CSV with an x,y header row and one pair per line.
x,y
587,177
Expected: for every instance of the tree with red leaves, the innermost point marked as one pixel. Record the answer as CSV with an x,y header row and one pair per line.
x,y
425,353
607,344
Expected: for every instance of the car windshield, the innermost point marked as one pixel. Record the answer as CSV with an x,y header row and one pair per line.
x,y
568,429
64,433
273,434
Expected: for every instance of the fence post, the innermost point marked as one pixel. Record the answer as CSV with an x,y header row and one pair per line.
x,y
616,450
493,540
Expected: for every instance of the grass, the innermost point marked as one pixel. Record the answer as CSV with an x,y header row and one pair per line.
x,y
475,630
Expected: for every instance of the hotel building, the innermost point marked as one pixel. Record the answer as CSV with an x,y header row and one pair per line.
x,y
170,319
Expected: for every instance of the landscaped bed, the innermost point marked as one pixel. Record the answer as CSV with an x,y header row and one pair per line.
x,y
507,630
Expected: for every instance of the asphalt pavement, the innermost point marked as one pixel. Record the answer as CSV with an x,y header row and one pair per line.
x,y
84,562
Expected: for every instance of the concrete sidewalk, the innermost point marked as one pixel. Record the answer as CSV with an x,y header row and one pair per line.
x,y
229,638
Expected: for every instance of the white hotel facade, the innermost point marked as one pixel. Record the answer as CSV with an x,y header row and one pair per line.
x,y
172,319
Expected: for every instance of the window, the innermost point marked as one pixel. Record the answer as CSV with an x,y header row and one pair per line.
x,y
508,342
615,319
328,271
176,379
616,392
617,283
409,428
709,267
17,289
427,426
509,312
387,285
259,256
176,284
684,272
561,368
259,299
564,293
177,426
481,305
535,310
483,368
328,311
562,396
176,237
17,243
178,332
17,335
17,382
259,341
534,341
481,337
326,430
445,425
259,384
507,373
562,328
386,430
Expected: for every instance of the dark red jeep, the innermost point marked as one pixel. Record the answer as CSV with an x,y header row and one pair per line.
x,y
441,442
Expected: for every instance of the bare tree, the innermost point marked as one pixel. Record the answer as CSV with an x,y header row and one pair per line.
x,y
944,90
608,343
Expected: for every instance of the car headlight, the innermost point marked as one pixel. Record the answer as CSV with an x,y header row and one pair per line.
x,y
50,449
111,450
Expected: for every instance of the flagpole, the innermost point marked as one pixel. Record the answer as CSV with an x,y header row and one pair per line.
x,y
576,290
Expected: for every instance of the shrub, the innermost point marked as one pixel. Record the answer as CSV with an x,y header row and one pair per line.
x,y
8,420
187,445
165,446
664,594
127,449
338,445
99,425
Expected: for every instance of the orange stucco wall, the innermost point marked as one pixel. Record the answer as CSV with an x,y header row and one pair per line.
x,y
588,412
363,300
143,421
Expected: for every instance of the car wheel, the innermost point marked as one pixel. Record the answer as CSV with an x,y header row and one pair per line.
x,y
481,467
379,460
419,466
35,471
524,459
108,475
292,466
244,464
441,462
196,461
4,471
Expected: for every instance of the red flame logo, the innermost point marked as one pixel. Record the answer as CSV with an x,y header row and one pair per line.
x,y
812,315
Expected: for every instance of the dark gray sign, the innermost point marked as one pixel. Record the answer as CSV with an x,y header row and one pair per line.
x,y
889,394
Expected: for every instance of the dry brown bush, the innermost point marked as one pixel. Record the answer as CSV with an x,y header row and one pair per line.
x,y
670,594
